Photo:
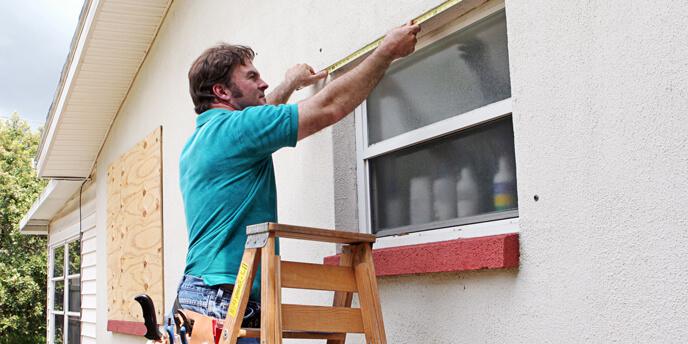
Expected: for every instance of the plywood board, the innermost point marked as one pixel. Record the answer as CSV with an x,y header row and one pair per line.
x,y
135,242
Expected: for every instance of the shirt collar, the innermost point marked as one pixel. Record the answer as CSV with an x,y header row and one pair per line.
x,y
208,115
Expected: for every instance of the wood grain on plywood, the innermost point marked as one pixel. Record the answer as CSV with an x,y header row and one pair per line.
x,y
135,260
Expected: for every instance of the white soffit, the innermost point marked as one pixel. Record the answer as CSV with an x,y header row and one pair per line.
x,y
50,201
109,47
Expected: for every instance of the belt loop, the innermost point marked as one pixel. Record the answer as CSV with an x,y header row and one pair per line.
x,y
218,296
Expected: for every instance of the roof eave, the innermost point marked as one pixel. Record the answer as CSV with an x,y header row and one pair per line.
x,y
66,77
48,204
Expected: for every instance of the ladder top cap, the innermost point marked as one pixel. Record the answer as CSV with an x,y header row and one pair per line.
x,y
310,233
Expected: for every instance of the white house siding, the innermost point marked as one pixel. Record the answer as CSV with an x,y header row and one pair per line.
x,y
65,225
599,90
89,265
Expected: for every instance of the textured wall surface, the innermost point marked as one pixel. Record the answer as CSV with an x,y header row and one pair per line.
x,y
600,91
345,198
600,94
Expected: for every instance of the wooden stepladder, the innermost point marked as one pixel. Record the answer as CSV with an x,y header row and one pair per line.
x,y
355,274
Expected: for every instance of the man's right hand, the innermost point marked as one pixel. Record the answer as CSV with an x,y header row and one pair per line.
x,y
302,75
399,42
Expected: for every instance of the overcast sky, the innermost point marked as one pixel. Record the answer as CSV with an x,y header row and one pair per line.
x,y
34,42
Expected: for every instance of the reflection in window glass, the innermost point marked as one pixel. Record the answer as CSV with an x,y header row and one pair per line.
x,y
59,327
58,261
74,257
59,295
74,330
459,73
461,175
75,294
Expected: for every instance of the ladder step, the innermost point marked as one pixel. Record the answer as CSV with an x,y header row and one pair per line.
x,y
255,333
321,319
310,233
317,277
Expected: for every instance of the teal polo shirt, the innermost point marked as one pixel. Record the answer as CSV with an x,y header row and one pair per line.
x,y
227,181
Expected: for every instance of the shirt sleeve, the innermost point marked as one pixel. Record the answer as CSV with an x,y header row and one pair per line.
x,y
262,130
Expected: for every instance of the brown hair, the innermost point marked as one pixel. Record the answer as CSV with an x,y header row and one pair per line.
x,y
214,66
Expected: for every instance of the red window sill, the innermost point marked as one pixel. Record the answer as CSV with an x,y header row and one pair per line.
x,y
126,327
491,252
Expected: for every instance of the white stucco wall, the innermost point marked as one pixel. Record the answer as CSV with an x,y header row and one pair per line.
x,y
600,94
599,89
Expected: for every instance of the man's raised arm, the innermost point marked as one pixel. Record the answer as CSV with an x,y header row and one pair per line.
x,y
344,94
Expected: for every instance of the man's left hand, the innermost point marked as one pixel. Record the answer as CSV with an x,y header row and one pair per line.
x,y
302,75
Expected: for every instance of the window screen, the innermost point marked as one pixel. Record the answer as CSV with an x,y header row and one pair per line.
x,y
459,73
459,174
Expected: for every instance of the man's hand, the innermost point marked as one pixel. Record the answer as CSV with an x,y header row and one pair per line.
x,y
302,75
399,42
343,94
296,78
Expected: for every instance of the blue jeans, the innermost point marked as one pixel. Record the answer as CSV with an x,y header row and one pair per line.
x,y
213,301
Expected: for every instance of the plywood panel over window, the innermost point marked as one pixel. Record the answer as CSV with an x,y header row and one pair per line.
x,y
134,208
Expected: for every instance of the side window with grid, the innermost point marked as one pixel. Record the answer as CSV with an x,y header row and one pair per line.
x,y
436,142
64,306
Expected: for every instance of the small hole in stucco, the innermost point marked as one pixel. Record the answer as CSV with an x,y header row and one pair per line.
x,y
536,198
320,50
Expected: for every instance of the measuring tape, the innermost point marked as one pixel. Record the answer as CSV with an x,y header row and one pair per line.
x,y
371,46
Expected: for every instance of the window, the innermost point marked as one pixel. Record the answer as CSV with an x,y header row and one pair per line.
x,y
435,138
64,304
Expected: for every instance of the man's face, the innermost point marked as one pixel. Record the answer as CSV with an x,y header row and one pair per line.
x,y
247,88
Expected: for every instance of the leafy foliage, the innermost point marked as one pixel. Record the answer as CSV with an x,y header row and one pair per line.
x,y
23,258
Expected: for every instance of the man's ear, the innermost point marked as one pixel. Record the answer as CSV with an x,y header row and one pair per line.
x,y
221,92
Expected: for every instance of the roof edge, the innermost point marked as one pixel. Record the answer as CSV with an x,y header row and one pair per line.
x,y
48,204
68,71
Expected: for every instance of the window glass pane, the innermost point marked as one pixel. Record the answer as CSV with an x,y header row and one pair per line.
x,y
59,296
74,257
75,294
461,72
59,327
74,330
58,261
459,176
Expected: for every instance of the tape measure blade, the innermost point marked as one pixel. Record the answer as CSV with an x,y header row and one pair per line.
x,y
435,11
355,55
371,46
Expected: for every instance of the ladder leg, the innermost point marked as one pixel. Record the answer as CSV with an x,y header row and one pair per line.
x,y
341,298
278,299
366,283
242,290
270,308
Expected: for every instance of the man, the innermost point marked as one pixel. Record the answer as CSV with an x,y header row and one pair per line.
x,y
226,171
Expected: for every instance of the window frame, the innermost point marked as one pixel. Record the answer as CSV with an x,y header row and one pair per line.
x,y
66,314
474,226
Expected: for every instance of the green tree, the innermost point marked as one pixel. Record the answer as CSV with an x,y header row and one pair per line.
x,y
23,262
